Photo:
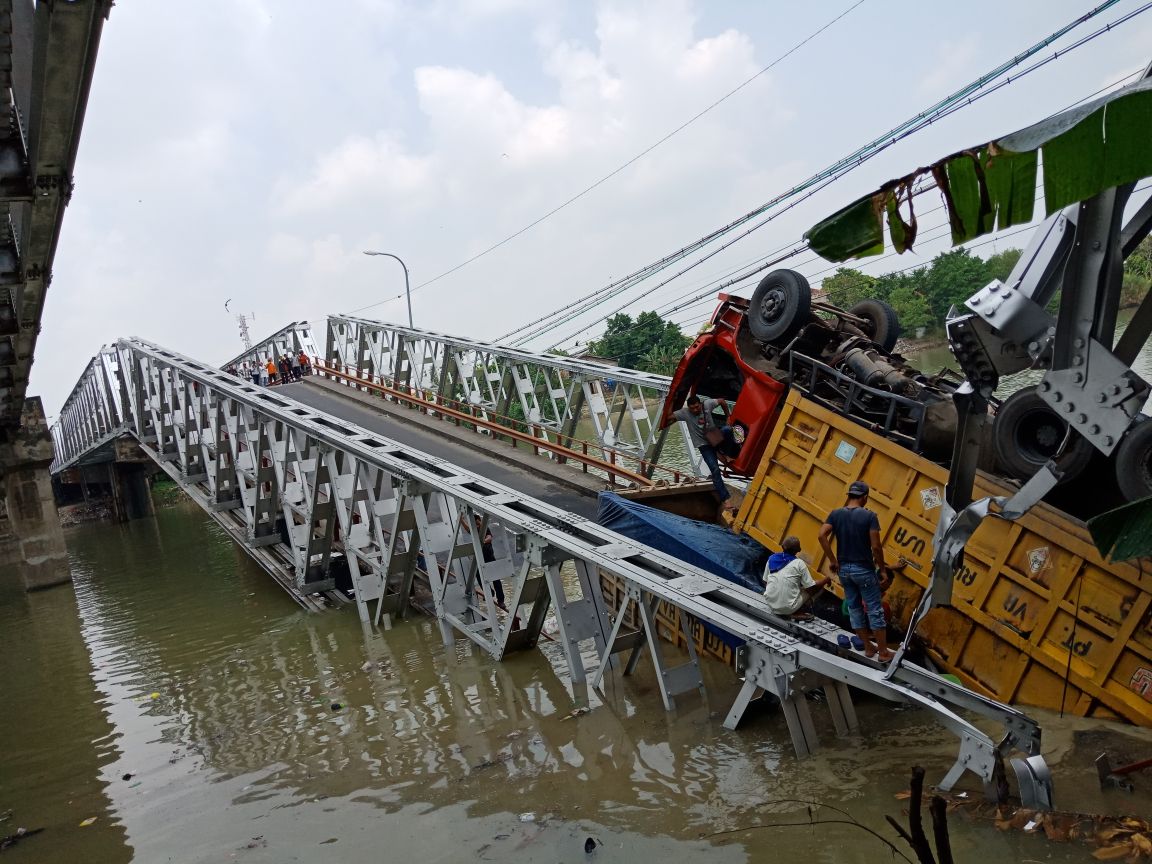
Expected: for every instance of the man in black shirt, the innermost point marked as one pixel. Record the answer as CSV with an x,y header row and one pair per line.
x,y
858,560
489,555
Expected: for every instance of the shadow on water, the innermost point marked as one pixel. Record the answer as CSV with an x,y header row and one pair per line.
x,y
256,732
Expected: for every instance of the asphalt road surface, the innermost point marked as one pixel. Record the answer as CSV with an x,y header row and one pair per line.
x,y
472,458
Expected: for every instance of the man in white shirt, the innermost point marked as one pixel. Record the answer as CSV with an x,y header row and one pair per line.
x,y
788,584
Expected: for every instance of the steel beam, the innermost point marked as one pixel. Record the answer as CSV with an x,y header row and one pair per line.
x,y
52,56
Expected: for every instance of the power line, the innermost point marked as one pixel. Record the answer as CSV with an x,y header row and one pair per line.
x,y
631,161
945,107
951,110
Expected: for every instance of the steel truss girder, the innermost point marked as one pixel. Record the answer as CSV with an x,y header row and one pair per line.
x,y
552,392
93,414
343,490
289,340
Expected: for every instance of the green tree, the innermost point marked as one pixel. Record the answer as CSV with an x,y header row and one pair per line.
x,y
1137,274
1001,264
847,287
910,305
633,343
952,278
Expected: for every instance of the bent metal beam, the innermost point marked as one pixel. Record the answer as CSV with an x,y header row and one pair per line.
x,y
304,491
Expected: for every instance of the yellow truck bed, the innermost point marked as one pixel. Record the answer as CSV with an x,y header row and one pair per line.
x,y
1039,617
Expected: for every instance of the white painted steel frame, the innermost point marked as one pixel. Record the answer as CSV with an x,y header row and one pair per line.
x,y
290,339
93,414
553,392
343,490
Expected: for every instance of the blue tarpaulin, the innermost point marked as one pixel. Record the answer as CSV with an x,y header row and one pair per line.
x,y
737,558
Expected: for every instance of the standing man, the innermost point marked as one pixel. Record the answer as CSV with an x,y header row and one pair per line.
x,y
707,437
788,583
858,560
489,555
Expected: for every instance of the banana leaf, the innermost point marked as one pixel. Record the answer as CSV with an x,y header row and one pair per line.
x,y
1084,150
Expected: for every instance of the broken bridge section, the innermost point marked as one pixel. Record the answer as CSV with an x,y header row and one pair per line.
x,y
315,499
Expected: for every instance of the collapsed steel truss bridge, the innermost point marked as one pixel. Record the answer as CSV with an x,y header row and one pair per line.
x,y
305,493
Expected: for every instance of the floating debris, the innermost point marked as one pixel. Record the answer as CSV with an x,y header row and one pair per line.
x,y
528,817
88,821
21,834
1116,837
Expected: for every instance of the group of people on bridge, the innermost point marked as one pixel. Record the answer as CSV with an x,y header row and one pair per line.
x,y
269,371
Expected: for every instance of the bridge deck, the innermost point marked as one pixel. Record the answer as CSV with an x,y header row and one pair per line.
x,y
560,485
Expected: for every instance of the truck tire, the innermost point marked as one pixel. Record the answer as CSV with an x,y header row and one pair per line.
x,y
885,325
781,305
1026,433
1133,462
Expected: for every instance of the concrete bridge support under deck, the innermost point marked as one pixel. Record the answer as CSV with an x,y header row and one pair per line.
x,y
32,551
119,477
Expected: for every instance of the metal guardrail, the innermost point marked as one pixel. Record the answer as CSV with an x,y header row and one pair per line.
x,y
551,391
311,492
612,463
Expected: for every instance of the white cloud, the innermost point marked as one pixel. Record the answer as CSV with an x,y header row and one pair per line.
x,y
360,168
252,153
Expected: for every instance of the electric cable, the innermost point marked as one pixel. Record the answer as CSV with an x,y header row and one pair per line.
x,y
962,98
634,159
927,188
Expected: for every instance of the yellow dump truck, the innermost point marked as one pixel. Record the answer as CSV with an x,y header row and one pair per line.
x,y
1038,616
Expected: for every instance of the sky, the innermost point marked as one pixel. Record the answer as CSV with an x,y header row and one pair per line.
x,y
249,150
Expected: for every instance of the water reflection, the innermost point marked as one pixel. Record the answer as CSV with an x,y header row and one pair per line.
x,y
275,734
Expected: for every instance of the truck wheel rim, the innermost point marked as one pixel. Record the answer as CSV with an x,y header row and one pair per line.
x,y
773,304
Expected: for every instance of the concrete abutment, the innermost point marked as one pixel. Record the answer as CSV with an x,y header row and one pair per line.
x,y
32,550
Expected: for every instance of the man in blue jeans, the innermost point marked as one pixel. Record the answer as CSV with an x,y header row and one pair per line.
x,y
697,415
858,560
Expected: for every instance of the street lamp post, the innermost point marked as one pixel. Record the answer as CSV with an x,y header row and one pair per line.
x,y
407,286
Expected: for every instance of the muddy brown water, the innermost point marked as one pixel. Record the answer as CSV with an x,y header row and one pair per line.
x,y
177,697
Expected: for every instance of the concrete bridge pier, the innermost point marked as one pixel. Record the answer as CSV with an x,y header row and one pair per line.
x,y
31,540
131,488
119,477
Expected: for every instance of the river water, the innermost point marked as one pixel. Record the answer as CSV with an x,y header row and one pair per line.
x,y
177,697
